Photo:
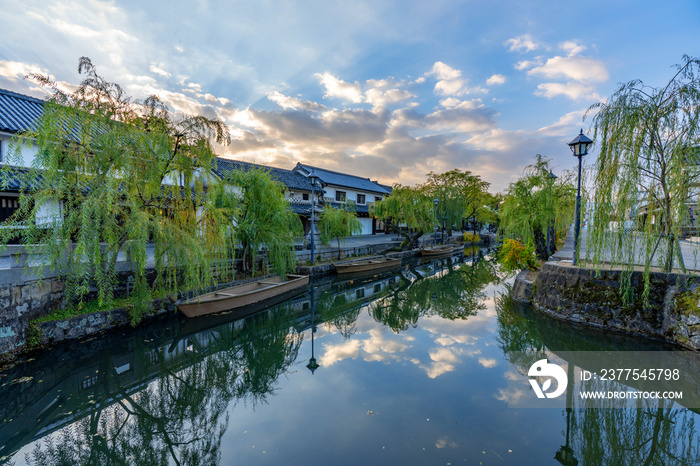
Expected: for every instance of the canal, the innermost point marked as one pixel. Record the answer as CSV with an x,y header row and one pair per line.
x,y
423,365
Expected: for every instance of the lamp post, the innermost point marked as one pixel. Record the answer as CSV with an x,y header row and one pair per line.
x,y
552,177
436,201
313,364
313,179
579,147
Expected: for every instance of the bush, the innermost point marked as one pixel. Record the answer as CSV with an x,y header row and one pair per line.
x,y
514,256
471,237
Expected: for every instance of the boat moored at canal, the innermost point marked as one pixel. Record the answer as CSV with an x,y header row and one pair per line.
x,y
240,296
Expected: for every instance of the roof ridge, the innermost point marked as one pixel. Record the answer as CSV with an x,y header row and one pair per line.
x,y
22,96
337,173
254,164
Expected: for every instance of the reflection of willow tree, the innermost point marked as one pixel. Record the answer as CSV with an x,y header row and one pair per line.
x,y
518,336
336,309
456,294
655,432
181,417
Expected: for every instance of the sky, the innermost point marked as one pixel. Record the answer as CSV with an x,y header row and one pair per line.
x,y
389,90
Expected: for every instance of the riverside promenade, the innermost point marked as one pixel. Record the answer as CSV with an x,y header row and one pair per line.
x,y
690,250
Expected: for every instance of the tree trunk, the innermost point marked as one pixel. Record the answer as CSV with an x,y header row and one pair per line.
x,y
541,245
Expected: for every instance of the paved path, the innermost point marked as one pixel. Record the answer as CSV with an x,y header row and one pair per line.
x,y
689,249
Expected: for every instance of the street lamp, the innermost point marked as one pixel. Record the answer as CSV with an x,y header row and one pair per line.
x,y
579,147
313,364
552,177
313,179
436,201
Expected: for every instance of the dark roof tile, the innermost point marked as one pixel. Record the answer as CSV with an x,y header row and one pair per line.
x,y
291,179
343,179
18,112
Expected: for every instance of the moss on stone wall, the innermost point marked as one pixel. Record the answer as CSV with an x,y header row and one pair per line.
x,y
686,303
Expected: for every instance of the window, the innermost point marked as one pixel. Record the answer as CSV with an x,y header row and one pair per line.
x,y
359,294
340,196
360,198
8,205
305,196
377,198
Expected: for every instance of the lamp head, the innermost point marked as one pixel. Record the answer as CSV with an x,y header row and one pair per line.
x,y
579,146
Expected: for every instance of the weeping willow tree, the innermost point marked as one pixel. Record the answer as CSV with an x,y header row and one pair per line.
x,y
264,220
535,203
647,169
461,196
408,212
338,223
114,177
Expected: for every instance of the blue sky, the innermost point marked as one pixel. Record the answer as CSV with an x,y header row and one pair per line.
x,y
385,89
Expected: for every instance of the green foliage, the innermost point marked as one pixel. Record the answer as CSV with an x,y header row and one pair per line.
x,y
536,202
338,223
104,184
85,307
407,211
34,334
263,219
469,237
461,195
513,256
648,140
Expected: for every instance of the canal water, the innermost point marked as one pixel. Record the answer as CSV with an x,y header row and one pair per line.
x,y
414,366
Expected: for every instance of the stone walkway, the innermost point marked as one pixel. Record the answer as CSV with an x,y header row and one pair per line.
x,y
690,251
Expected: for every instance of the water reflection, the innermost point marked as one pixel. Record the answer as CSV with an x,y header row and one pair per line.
x,y
600,431
187,392
169,403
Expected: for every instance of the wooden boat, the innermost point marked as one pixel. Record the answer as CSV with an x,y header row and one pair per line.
x,y
243,296
437,250
367,265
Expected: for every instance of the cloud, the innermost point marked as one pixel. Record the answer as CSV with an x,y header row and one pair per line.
x,y
379,98
575,68
574,91
13,70
577,75
349,349
488,363
571,47
524,64
288,102
523,43
158,70
496,79
450,81
338,88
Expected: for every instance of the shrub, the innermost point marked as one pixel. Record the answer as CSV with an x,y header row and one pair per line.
x,y
471,237
514,256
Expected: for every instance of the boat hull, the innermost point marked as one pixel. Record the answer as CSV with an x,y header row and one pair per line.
x,y
438,251
244,296
368,265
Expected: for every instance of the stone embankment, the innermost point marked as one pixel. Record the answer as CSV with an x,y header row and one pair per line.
x,y
584,296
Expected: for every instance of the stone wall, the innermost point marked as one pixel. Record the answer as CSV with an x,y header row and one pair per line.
x,y
580,295
20,303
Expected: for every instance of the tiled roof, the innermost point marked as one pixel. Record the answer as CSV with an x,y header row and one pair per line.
x,y
358,208
289,178
342,179
18,112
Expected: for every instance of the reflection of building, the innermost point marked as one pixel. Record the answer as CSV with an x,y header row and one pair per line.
x,y
102,371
